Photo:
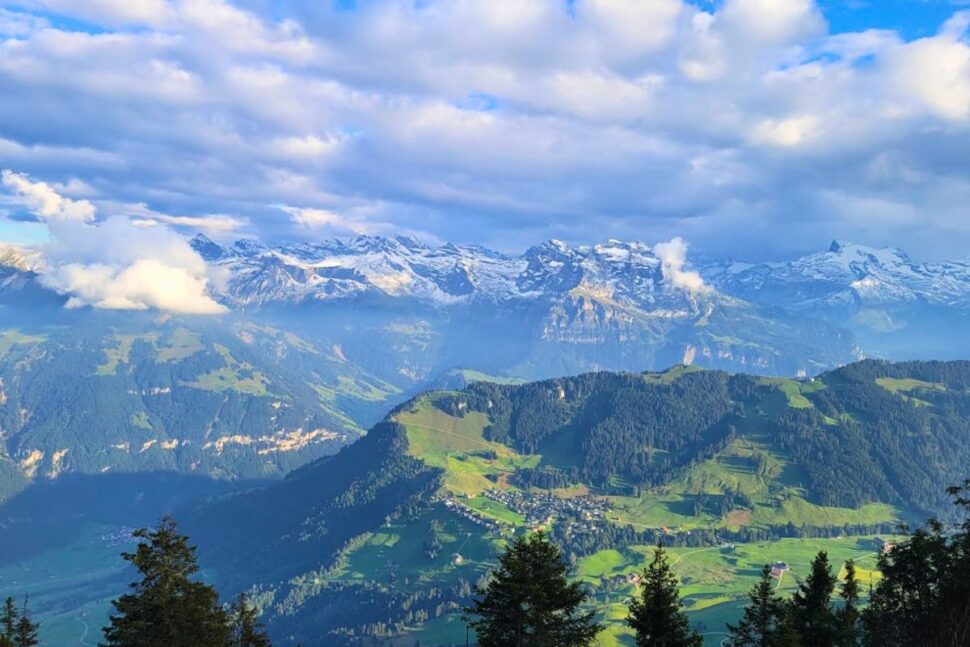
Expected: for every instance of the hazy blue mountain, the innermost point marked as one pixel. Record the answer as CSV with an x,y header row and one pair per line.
x,y
554,310
897,308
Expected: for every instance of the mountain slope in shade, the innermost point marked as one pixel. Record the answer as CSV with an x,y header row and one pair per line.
x,y
134,392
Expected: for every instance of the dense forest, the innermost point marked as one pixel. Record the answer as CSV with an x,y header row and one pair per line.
x,y
858,441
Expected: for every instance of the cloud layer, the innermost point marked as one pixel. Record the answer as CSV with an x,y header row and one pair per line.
x,y
754,128
117,263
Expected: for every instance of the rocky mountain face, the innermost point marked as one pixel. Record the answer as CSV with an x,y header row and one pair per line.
x,y
560,309
15,258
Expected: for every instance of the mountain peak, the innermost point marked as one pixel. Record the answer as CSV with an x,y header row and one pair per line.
x,y
838,246
208,249
16,257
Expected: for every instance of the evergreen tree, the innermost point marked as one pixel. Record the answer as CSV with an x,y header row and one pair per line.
x,y
25,634
923,597
788,632
9,620
166,607
760,626
848,615
815,618
528,601
247,630
657,615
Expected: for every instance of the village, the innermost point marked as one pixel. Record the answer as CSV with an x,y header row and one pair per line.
x,y
539,509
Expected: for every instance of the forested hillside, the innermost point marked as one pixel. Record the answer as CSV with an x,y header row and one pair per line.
x,y
139,393
404,521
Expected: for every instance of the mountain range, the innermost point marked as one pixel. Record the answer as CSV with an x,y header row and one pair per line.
x,y
321,338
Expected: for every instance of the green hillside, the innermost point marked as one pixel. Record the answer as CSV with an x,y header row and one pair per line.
x,y
228,399
730,471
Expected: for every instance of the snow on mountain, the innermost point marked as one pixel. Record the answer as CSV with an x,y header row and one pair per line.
x,y
846,275
18,258
620,273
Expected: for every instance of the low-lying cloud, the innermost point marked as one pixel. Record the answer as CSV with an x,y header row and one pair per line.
x,y
46,203
116,263
673,259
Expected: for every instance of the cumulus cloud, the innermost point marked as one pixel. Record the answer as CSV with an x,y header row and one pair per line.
x,y
44,201
498,121
673,259
116,263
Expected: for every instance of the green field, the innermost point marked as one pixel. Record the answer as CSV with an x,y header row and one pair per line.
x,y
457,445
235,375
715,580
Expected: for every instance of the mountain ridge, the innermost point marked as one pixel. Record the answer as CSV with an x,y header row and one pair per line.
x,y
853,452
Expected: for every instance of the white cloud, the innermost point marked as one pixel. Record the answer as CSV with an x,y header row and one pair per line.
x,y
935,72
785,133
118,265
487,120
44,201
673,258
145,216
329,221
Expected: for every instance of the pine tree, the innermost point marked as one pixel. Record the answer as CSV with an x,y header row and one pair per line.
x,y
247,630
788,631
166,607
848,615
528,601
815,618
923,597
25,634
9,620
657,615
760,625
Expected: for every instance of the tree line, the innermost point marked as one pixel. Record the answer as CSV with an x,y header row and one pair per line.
x,y
922,599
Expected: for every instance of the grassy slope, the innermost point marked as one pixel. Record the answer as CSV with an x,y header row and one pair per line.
x,y
715,580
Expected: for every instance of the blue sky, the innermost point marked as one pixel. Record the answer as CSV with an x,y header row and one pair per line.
x,y
760,129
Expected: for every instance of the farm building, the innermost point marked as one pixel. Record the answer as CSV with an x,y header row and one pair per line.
x,y
778,569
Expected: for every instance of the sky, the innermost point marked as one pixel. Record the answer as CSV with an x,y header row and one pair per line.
x,y
757,129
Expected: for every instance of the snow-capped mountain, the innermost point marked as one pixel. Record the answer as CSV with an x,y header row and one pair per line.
x,y
624,274
846,274
554,309
896,307
17,258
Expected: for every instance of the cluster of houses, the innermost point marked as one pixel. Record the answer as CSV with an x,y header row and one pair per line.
x,y
471,514
539,509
